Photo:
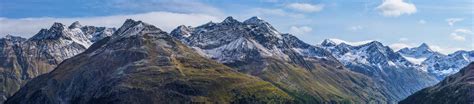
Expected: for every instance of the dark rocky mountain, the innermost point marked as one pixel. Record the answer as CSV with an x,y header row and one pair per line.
x,y
399,77
139,64
28,58
308,73
455,89
11,61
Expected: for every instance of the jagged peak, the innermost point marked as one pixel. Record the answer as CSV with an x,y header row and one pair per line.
x,y
13,38
75,24
183,27
375,44
328,42
8,36
53,32
424,46
230,19
131,27
254,20
57,26
131,23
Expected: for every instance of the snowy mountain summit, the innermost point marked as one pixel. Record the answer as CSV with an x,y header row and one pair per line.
x,y
231,40
390,69
419,54
435,63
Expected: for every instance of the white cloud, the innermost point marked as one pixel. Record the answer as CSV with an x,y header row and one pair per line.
x,y
445,50
355,28
305,7
167,21
398,46
273,12
395,8
353,43
460,34
302,30
269,1
422,21
190,6
452,21
465,31
457,37
403,39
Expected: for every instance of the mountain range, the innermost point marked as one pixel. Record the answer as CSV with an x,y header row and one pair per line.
x,y
387,68
140,63
229,61
435,63
308,73
24,59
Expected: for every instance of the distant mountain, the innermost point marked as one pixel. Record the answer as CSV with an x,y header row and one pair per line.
x,y
435,63
450,64
308,73
455,89
140,63
28,58
419,54
398,76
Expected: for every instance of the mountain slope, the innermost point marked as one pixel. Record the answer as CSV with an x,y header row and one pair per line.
x,y
455,89
308,73
42,52
397,76
142,64
10,59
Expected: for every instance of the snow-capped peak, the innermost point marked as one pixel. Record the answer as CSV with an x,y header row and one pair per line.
x,y
183,30
132,27
75,25
8,36
328,42
374,44
254,20
421,52
339,41
57,26
230,19
424,46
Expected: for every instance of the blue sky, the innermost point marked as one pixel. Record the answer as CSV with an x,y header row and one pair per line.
x,y
446,25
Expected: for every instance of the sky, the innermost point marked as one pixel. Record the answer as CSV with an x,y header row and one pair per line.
x,y
445,25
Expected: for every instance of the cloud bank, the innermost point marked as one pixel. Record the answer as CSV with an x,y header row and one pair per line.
x,y
395,8
27,27
302,30
305,7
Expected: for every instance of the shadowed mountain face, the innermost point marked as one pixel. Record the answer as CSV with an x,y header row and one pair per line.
x,y
308,73
25,59
455,89
140,64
